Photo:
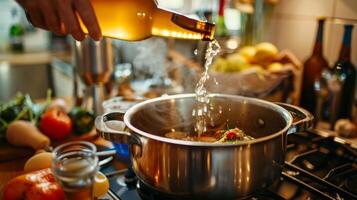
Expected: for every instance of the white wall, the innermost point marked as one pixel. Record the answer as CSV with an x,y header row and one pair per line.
x,y
5,21
34,40
294,26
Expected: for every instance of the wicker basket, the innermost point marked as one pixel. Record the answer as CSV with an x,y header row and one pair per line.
x,y
282,85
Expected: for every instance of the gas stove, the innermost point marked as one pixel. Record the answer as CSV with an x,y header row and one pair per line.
x,y
316,167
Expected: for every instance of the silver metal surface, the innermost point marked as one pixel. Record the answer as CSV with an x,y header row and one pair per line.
x,y
106,153
94,65
28,79
302,119
197,169
105,161
94,60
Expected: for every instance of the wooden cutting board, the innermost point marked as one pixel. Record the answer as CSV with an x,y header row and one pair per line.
x,y
10,152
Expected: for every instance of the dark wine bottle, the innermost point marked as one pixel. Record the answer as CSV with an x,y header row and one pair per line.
x,y
16,33
344,71
313,68
221,29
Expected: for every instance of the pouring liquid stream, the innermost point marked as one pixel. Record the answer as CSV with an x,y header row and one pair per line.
x,y
202,111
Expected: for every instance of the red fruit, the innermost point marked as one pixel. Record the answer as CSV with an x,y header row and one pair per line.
x,y
231,135
56,124
38,185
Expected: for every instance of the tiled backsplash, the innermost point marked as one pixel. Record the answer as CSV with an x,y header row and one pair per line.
x,y
294,26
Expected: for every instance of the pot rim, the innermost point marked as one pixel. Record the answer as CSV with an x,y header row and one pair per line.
x,y
286,115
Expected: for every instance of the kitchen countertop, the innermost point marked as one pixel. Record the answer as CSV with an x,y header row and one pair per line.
x,y
33,58
13,168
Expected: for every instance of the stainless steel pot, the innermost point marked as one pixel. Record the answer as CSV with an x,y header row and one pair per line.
x,y
209,170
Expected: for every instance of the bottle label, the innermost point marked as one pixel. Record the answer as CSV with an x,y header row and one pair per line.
x,y
16,40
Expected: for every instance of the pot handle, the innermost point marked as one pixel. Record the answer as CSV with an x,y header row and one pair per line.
x,y
118,136
302,119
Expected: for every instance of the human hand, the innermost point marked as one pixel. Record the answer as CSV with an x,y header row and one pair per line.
x,y
59,16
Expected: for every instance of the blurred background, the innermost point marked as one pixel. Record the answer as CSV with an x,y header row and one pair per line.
x,y
33,60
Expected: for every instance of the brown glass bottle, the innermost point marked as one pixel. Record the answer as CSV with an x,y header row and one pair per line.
x,y
344,71
139,19
313,68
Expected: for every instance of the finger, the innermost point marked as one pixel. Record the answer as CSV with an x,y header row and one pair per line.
x,y
62,28
69,19
33,14
37,20
21,3
50,15
86,12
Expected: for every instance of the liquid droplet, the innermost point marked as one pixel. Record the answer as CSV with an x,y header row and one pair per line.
x,y
195,52
215,81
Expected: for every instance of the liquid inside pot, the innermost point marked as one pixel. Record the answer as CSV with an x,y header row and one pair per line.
x,y
254,117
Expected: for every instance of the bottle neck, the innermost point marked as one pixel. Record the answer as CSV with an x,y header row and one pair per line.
x,y
345,52
221,8
221,26
318,48
170,24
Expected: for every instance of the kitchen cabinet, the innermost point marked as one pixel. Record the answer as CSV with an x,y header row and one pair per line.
x,y
27,73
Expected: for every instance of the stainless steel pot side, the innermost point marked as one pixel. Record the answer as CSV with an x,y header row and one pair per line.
x,y
196,169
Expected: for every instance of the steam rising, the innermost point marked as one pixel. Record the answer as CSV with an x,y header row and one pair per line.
x,y
151,57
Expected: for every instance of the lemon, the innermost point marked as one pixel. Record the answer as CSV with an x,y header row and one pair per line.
x,y
265,53
247,52
275,67
101,185
219,65
38,161
236,63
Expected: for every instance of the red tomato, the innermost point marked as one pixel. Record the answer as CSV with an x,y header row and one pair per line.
x,y
56,124
231,135
38,185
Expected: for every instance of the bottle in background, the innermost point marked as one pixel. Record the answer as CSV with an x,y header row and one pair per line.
x,y
221,29
323,100
313,68
16,32
343,73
